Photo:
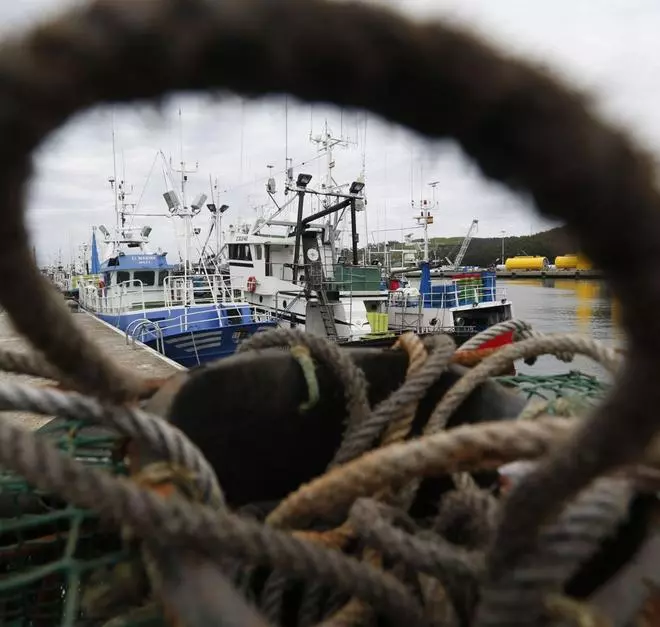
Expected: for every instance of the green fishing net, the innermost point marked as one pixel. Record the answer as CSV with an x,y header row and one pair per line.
x,y
51,551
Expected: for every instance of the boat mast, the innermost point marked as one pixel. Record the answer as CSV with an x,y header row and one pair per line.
x,y
326,143
425,218
113,180
186,212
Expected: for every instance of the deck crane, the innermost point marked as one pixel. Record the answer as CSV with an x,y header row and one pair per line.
x,y
466,242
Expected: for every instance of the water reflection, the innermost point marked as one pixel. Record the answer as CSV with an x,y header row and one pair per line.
x,y
565,305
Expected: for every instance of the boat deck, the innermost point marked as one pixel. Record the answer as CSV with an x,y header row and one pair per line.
x,y
113,342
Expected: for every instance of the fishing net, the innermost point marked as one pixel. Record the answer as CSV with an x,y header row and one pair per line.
x,y
560,394
47,547
50,550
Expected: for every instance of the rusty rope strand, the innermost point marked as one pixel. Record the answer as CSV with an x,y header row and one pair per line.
x,y
487,445
398,429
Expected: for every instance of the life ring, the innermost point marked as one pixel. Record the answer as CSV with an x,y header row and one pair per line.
x,y
252,284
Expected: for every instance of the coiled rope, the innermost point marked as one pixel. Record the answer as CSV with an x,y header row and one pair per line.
x,y
281,542
517,122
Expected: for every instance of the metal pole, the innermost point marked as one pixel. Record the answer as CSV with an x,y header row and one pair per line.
x,y
354,233
299,227
218,226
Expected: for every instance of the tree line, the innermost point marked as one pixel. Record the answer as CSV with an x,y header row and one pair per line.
x,y
486,251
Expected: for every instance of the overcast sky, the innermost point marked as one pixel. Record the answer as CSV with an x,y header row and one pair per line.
x,y
611,48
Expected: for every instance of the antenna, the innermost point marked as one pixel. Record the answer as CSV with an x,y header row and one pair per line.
x,y
114,168
363,177
286,130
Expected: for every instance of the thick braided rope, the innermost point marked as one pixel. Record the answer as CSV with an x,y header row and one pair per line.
x,y
457,569
356,612
467,517
216,534
521,331
470,447
521,350
397,425
438,557
31,364
399,428
519,327
156,433
337,361
362,438
517,600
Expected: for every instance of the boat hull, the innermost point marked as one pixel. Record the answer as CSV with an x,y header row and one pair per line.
x,y
198,347
190,338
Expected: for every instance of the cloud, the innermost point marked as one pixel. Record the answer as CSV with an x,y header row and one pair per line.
x,y
609,49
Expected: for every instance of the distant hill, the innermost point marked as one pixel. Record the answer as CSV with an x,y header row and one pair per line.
x,y
484,251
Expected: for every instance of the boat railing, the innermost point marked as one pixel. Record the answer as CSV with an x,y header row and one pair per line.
x,y
198,318
447,296
197,289
126,290
141,327
115,299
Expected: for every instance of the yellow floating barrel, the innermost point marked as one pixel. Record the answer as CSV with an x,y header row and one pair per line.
x,y
566,262
526,263
572,262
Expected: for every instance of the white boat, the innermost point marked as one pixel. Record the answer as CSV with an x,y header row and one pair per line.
x,y
294,269
188,313
464,302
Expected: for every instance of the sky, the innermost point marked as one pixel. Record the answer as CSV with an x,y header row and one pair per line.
x,y
608,48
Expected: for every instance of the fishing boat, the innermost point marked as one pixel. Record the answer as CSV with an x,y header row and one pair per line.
x,y
463,303
184,311
294,267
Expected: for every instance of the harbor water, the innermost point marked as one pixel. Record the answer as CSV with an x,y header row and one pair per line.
x,y
565,306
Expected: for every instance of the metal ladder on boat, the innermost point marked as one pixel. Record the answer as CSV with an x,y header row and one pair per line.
x,y
315,277
327,315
